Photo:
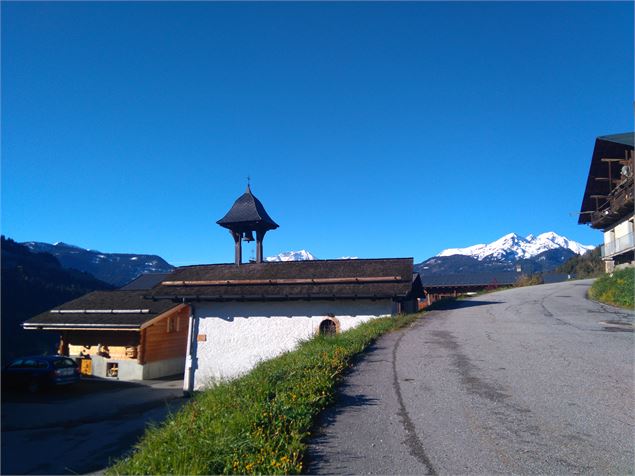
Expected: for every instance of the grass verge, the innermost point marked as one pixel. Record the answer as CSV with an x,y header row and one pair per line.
x,y
258,423
616,289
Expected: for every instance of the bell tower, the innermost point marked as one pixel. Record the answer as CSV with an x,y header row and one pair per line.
x,y
246,216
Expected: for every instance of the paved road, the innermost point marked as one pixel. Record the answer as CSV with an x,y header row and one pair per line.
x,y
80,429
523,381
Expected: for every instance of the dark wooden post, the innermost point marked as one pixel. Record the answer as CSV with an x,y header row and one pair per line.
x,y
260,235
141,353
63,346
238,252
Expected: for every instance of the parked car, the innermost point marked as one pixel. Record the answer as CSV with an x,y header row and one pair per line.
x,y
35,373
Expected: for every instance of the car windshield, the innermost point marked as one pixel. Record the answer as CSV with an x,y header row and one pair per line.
x,y
64,363
29,364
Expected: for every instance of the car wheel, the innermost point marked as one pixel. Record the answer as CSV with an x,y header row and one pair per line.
x,y
34,386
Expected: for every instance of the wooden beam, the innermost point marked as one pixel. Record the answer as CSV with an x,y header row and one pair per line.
x,y
606,159
167,313
225,282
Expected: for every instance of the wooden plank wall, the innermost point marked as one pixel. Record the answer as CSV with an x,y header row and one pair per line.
x,y
159,344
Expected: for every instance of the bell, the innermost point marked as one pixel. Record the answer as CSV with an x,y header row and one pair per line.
x,y
248,236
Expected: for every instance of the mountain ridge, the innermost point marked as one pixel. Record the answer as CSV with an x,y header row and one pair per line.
x,y
512,247
113,268
511,252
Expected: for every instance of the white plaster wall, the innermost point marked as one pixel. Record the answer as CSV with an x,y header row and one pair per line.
x,y
239,335
622,229
163,368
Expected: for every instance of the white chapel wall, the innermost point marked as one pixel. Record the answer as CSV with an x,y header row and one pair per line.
x,y
233,337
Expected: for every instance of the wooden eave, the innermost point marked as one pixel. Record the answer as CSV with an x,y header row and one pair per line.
x,y
75,327
264,297
246,282
160,317
102,327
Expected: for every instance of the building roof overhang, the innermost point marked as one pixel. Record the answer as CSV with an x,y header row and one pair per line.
x,y
608,195
115,310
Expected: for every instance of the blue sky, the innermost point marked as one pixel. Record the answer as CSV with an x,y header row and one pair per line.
x,y
369,129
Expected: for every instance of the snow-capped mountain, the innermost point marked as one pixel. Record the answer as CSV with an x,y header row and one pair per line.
x,y
302,255
512,247
114,268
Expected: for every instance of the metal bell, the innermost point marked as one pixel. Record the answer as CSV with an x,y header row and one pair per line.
x,y
248,236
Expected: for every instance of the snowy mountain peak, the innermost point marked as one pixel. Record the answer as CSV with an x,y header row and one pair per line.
x,y
512,247
302,255
61,244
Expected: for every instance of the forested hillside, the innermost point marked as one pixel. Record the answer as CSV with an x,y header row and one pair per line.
x,y
588,265
33,283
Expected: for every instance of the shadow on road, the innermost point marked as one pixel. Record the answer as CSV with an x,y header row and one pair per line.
x,y
345,400
447,304
86,386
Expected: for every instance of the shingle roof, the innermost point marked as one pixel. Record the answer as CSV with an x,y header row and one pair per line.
x,y
144,281
247,211
627,138
317,279
469,279
111,303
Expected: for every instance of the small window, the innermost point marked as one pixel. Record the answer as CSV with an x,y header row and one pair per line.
x,y
328,328
112,369
171,325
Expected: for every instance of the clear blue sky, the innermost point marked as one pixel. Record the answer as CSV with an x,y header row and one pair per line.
x,y
369,129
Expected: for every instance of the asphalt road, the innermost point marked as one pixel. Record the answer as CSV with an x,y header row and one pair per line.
x,y
81,429
529,380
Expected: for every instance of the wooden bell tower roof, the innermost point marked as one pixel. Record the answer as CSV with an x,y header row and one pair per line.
x,y
247,213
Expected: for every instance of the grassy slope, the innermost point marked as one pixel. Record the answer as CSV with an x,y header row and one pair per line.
x,y
260,422
616,289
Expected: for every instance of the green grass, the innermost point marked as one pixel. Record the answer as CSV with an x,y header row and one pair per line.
x,y
616,289
259,423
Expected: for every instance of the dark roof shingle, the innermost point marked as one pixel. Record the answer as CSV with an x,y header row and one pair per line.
x,y
106,301
326,279
469,279
247,211
144,281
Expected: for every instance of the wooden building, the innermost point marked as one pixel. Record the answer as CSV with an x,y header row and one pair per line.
x,y
607,203
120,334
